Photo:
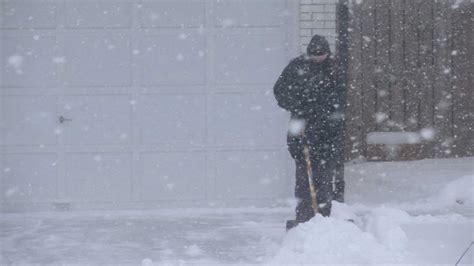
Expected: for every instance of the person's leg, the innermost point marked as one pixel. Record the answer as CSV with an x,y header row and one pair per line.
x,y
339,182
321,153
339,158
322,174
304,210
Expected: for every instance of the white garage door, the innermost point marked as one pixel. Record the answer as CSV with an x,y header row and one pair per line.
x,y
143,101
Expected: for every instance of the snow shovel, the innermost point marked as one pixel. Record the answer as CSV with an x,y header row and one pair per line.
x,y
312,190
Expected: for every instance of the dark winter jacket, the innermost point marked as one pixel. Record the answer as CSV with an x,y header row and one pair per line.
x,y
309,91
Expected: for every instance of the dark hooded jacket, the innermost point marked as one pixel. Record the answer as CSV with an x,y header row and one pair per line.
x,y
309,91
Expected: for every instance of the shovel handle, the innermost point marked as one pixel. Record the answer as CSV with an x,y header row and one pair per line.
x,y
309,170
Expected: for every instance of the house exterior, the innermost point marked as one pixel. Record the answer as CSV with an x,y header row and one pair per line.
x,y
410,82
160,103
128,104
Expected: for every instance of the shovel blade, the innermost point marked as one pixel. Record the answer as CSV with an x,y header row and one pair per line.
x,y
290,224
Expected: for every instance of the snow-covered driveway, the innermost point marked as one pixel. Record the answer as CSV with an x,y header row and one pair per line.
x,y
406,212
201,236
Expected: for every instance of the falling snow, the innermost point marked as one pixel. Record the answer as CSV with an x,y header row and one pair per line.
x,y
167,109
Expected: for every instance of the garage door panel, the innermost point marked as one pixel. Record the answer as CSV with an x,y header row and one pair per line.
x,y
250,174
93,14
28,14
172,14
29,177
174,176
29,120
97,177
28,61
245,119
119,101
97,60
105,119
234,13
172,119
172,59
248,58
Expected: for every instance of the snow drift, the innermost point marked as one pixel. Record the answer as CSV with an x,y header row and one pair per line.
x,y
457,193
373,239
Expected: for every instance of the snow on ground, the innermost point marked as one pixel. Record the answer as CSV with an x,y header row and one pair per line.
x,y
419,213
419,186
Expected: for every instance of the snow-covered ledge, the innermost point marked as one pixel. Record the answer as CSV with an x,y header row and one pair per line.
x,y
397,145
393,138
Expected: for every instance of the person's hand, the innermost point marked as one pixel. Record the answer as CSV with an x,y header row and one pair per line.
x,y
296,127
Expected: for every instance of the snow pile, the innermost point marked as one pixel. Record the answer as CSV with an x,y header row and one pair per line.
x,y
430,186
147,262
336,241
193,250
458,193
384,224
341,211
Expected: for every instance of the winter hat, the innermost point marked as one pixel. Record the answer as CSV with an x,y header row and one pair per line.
x,y
318,46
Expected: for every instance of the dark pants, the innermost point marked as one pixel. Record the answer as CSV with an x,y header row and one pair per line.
x,y
327,169
339,185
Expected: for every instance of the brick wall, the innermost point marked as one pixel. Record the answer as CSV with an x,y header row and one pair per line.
x,y
317,17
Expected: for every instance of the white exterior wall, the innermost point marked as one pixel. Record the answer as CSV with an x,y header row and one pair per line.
x,y
317,17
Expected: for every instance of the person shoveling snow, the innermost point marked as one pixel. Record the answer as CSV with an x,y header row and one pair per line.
x,y
308,89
